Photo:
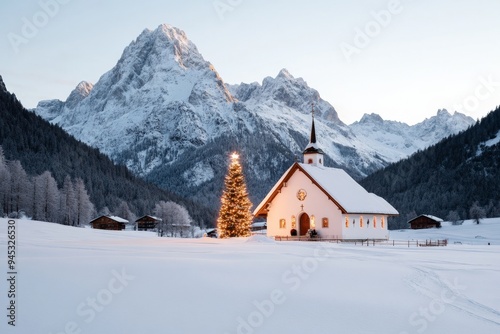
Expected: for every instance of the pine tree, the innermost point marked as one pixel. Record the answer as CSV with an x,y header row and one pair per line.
x,y
235,217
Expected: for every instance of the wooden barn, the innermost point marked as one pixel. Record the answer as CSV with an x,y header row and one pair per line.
x,y
425,221
109,223
147,223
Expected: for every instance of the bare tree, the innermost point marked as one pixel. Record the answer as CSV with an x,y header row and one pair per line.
x,y
46,198
18,199
175,218
68,202
124,211
476,212
4,184
453,217
84,206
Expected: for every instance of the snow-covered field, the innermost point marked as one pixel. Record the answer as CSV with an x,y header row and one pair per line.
x,y
72,280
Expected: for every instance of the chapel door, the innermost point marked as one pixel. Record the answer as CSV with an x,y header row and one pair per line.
x,y
305,224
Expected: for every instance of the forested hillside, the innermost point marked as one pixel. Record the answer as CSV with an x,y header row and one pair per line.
x,y
457,178
40,147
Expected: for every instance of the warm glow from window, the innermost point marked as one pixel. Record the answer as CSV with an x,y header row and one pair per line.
x,y
360,221
382,222
313,223
374,222
346,222
294,223
325,222
282,223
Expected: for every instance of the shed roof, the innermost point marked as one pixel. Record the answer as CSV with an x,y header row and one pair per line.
x,y
436,219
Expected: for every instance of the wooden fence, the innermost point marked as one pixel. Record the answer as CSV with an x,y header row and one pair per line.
x,y
369,242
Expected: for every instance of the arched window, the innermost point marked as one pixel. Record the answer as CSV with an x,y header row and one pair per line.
x,y
294,222
382,222
361,221
374,222
282,223
310,161
346,222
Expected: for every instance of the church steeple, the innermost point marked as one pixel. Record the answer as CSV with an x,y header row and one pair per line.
x,y
312,139
313,154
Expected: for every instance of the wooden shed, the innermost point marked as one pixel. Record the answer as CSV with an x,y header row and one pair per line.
x,y
109,223
147,223
425,221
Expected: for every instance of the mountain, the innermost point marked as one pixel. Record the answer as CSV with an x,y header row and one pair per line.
x,y
41,146
165,113
454,179
397,140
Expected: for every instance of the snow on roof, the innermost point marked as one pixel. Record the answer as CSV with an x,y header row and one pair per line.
x,y
347,192
350,195
119,219
153,217
437,219
433,218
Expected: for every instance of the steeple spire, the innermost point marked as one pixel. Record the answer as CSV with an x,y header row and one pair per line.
x,y
313,154
312,140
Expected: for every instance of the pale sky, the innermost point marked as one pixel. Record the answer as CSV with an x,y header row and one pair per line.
x,y
403,59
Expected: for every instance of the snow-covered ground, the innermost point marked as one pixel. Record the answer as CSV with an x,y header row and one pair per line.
x,y
72,280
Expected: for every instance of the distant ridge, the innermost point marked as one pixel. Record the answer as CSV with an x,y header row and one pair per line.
x,y
454,179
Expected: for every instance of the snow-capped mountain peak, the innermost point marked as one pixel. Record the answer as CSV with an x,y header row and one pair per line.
x,y
165,113
396,140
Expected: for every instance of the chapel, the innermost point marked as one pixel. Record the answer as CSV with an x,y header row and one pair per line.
x,y
311,199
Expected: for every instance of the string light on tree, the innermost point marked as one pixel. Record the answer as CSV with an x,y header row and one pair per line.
x,y
235,216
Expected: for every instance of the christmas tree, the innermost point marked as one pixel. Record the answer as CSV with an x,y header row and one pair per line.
x,y
235,217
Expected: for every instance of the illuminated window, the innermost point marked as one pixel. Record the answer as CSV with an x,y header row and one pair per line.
x,y
382,222
282,223
360,221
374,222
310,161
294,223
346,222
325,222
313,222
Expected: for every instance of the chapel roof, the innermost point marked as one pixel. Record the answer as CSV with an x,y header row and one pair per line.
x,y
349,196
